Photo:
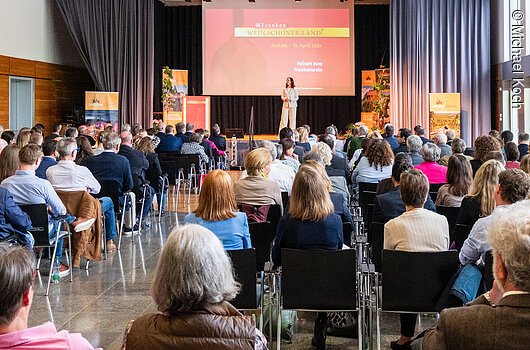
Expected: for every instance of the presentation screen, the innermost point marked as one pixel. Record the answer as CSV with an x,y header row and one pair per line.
x,y
250,48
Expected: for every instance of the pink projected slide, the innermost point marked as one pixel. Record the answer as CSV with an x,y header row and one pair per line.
x,y
252,51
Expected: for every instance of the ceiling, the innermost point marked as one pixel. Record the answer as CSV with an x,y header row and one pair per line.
x,y
198,2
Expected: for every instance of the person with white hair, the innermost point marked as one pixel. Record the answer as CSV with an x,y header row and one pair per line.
x,y
440,140
499,318
436,173
414,145
192,287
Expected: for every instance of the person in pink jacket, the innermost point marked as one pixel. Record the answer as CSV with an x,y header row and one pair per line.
x,y
436,173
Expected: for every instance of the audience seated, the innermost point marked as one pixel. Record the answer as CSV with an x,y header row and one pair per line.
x,y
450,136
206,138
303,139
8,136
440,140
458,147
338,144
288,157
56,130
483,145
497,320
323,150
338,158
70,177
524,140
355,142
376,165
181,132
420,132
436,173
49,159
215,137
84,150
389,205
17,277
71,132
14,223
206,144
403,135
194,147
459,179
192,287
36,138
480,201
84,133
23,138
9,161
512,155
359,153
416,230
169,142
287,133
217,211
525,164
414,146
27,188
154,171
256,188
309,225
389,136
514,186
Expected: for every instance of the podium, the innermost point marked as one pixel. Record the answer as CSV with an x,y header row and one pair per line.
x,y
196,110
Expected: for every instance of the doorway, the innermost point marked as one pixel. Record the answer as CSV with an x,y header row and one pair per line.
x,y
21,102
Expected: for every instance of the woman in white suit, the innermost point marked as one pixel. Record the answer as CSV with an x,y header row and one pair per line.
x,y
290,98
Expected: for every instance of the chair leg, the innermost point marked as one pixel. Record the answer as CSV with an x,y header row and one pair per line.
x,y
52,260
261,300
39,259
278,313
121,221
104,230
70,253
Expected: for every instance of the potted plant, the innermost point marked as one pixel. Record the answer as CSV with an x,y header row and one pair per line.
x,y
169,92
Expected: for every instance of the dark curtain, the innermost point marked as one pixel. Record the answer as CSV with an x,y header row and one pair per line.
x,y
115,39
441,46
178,44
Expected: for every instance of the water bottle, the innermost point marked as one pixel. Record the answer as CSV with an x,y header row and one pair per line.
x,y
56,273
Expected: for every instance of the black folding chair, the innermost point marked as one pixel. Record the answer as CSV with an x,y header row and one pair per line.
x,y
459,235
376,238
38,214
187,170
450,213
319,281
413,282
433,191
243,262
487,275
285,201
367,193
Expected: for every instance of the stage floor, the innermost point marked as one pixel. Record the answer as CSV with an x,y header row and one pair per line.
x,y
259,137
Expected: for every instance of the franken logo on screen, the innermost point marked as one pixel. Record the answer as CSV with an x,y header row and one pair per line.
x,y
271,25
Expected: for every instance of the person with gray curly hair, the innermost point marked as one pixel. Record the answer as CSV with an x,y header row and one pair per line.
x,y
436,173
414,145
17,278
499,318
192,287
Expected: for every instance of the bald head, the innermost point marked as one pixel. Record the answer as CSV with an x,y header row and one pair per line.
x,y
126,138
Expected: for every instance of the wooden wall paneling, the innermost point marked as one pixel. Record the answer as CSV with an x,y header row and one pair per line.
x,y
45,103
44,70
4,101
4,65
21,68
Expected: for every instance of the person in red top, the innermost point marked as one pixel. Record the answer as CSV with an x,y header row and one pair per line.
x,y
436,173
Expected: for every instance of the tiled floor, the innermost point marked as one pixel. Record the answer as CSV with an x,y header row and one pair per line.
x,y
99,302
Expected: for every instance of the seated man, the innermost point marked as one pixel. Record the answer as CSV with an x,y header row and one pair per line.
x,y
514,186
169,142
17,277
390,205
139,164
14,223
119,170
49,158
68,176
27,188
498,319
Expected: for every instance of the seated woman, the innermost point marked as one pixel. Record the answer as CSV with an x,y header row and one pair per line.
x,y
459,179
85,149
154,171
376,165
416,230
303,139
325,153
309,225
480,202
483,145
436,173
194,147
192,287
288,157
256,188
512,155
217,211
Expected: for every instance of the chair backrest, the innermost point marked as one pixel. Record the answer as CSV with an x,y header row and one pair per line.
x,y
243,261
38,213
450,213
170,168
488,270
109,188
367,193
376,239
459,235
285,201
261,236
414,281
319,280
433,191
346,233
274,215
186,161
368,214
